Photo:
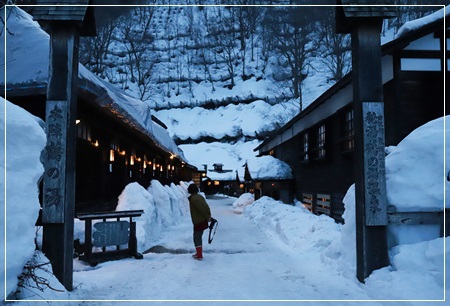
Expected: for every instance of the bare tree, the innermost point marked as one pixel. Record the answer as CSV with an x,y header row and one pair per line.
x,y
223,35
94,50
292,32
334,49
246,19
137,38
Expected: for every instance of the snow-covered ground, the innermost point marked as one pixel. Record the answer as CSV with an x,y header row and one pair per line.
x,y
271,251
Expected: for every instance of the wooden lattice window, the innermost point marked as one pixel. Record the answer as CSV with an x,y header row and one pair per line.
x,y
321,141
305,147
349,132
84,131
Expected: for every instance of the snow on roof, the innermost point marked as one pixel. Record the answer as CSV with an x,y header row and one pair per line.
x,y
416,24
260,168
222,176
27,62
268,167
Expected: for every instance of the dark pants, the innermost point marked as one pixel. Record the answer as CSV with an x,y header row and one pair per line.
x,y
198,233
198,238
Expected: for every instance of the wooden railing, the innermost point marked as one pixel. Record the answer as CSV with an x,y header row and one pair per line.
x,y
112,231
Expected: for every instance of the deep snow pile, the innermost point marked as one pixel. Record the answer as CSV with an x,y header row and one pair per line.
x,y
23,171
243,201
415,178
295,226
163,207
413,181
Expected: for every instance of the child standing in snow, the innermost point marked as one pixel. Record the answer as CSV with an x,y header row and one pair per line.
x,y
200,215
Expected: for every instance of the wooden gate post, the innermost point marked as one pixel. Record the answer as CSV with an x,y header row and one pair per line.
x,y
364,23
59,178
370,178
63,23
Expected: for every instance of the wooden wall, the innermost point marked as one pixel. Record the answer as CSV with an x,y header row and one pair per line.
x,y
411,100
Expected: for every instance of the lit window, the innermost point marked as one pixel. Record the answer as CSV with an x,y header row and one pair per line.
x,y
349,131
305,147
321,141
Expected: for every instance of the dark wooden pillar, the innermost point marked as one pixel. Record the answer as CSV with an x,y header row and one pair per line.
x,y
370,178
363,19
59,178
64,20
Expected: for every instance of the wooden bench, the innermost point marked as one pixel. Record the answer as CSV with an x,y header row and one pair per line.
x,y
112,231
323,204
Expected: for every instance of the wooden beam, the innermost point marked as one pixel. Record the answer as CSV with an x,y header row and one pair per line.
x,y
110,214
416,218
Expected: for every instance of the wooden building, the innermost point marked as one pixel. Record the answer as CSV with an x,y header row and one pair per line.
x,y
222,181
269,176
119,140
318,143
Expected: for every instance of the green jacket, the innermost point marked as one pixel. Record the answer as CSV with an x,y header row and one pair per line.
x,y
200,211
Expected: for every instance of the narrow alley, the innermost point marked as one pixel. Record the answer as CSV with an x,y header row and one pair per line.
x,y
241,264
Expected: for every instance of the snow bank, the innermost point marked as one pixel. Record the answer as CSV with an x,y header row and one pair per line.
x,y
415,169
242,202
163,207
295,226
417,271
415,182
421,152
45,274
25,139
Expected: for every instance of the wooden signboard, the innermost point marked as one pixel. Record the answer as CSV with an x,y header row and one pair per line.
x,y
111,233
55,164
374,164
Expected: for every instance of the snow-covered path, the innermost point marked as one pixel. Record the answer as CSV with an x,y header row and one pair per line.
x,y
242,263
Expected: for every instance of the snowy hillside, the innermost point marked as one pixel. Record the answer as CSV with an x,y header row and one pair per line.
x,y
219,74
188,65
